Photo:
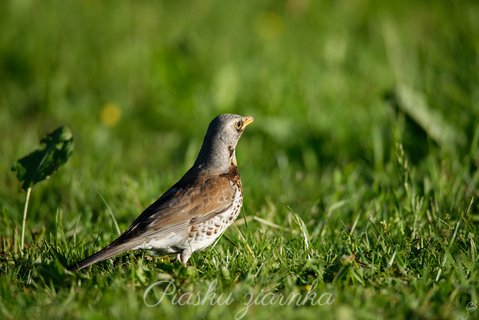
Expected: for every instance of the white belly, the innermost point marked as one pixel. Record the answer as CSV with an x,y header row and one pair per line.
x,y
165,244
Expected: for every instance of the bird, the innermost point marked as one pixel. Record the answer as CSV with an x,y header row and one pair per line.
x,y
196,210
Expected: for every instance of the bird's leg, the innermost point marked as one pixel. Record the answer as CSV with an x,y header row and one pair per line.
x,y
184,256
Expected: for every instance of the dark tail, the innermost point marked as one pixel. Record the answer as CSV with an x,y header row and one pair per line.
x,y
106,253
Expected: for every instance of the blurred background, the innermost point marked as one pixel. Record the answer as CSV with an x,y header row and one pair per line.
x,y
333,86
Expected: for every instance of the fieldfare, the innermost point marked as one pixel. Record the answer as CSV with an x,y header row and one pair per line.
x,y
196,210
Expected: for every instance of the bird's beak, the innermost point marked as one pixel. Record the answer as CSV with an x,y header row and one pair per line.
x,y
247,121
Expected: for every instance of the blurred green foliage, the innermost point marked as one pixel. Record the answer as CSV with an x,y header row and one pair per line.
x,y
57,147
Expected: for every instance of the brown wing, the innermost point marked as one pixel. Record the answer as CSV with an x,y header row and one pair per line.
x,y
184,204
192,200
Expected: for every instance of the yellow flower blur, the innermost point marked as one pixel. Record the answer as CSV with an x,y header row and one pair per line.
x,y
110,114
269,25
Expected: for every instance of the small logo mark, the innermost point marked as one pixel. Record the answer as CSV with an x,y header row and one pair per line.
x,y
471,306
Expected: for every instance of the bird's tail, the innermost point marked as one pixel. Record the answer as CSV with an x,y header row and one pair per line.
x,y
107,252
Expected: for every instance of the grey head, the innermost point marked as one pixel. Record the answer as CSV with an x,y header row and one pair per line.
x,y
218,150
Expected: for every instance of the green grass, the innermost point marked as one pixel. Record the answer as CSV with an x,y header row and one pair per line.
x,y
360,171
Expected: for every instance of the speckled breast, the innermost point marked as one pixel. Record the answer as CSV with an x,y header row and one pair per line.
x,y
204,234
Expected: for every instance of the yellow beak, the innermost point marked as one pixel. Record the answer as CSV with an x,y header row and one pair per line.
x,y
247,121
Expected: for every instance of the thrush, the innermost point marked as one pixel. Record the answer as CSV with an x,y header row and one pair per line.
x,y
197,209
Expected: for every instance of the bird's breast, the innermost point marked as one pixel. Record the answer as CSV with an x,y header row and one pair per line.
x,y
204,234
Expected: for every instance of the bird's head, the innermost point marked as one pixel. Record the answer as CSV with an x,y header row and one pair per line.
x,y
224,131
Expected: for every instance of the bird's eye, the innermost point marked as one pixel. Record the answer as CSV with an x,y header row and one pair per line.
x,y
238,125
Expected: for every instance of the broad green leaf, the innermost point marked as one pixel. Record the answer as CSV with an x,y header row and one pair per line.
x,y
56,147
